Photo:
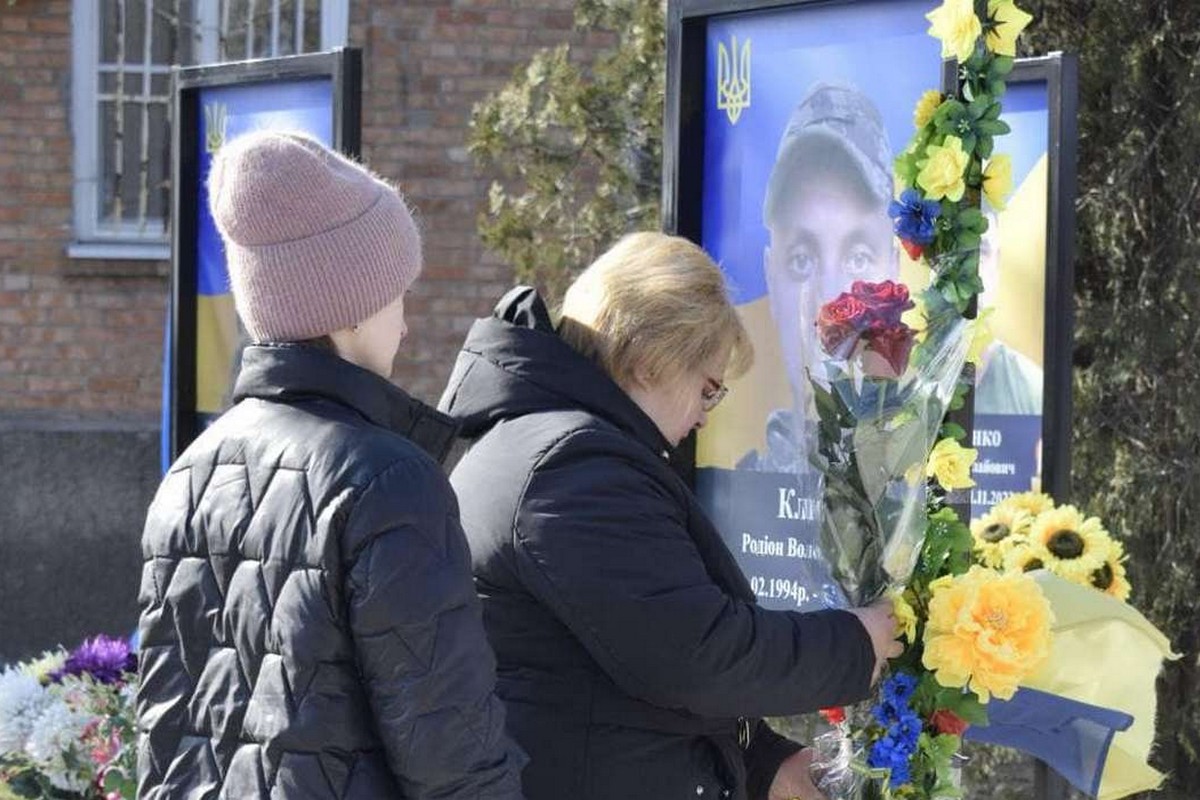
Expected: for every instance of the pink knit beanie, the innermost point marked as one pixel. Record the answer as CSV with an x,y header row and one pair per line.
x,y
315,243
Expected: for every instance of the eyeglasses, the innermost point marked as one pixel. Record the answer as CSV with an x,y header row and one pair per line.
x,y
712,394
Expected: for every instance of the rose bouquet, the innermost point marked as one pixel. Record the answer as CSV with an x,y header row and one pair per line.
x,y
67,723
880,405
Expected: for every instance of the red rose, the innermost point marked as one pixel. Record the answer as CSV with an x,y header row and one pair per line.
x,y
839,323
887,300
891,347
834,715
946,721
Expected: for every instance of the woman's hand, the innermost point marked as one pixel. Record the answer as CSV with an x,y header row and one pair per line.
x,y
793,779
879,619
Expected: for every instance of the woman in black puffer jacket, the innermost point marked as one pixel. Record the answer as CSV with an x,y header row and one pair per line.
x,y
309,626
633,660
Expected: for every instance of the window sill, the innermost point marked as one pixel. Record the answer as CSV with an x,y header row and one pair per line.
x,y
119,251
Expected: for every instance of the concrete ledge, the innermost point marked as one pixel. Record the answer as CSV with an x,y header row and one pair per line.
x,y
73,498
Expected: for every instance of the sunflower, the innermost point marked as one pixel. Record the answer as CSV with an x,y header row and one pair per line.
x,y
1026,556
1032,503
1079,546
1110,577
998,532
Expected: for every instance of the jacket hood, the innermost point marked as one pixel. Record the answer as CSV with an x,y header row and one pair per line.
x,y
514,363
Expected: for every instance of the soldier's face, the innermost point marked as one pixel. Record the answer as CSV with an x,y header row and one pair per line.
x,y
826,237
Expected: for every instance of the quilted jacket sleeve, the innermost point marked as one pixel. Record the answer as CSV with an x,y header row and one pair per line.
x,y
607,547
419,637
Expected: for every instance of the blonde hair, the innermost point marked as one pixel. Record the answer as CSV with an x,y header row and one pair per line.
x,y
651,308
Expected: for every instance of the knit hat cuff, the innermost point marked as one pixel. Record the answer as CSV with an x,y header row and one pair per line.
x,y
297,295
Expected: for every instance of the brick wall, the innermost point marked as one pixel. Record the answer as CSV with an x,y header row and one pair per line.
x,y
78,336
85,337
426,64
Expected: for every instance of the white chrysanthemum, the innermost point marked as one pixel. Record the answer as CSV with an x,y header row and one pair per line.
x,y
54,746
22,699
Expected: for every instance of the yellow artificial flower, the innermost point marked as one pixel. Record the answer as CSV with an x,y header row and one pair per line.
x,y
942,174
906,618
955,24
950,463
1079,546
927,106
1032,503
1111,578
998,532
981,335
1026,556
998,181
1007,22
986,631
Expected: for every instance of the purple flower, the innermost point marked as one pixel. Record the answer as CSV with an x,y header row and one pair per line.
x,y
104,658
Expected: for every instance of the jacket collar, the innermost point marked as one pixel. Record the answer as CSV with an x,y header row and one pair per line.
x,y
291,372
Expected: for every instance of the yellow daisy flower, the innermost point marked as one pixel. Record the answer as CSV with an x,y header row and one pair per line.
x,y
927,106
1032,503
986,631
998,532
1079,545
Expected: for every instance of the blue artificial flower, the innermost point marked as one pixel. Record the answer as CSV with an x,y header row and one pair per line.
x,y
894,750
898,688
892,755
908,727
913,217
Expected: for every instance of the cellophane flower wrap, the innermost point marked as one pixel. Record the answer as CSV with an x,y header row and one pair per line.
x,y
881,396
890,457
67,723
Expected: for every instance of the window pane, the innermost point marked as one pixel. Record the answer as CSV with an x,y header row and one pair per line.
x,y
174,29
312,26
122,189
252,19
158,177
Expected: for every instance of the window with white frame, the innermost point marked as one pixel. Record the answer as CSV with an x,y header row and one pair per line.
x,y
122,56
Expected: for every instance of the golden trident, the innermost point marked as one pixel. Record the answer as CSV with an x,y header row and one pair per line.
x,y
733,78
214,123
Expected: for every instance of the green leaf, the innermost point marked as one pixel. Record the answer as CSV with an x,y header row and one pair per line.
x,y
953,430
979,106
993,127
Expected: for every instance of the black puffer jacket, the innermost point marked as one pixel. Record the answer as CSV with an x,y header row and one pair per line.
x,y
309,627
627,638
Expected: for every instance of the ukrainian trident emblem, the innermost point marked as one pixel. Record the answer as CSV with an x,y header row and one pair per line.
x,y
215,118
733,78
